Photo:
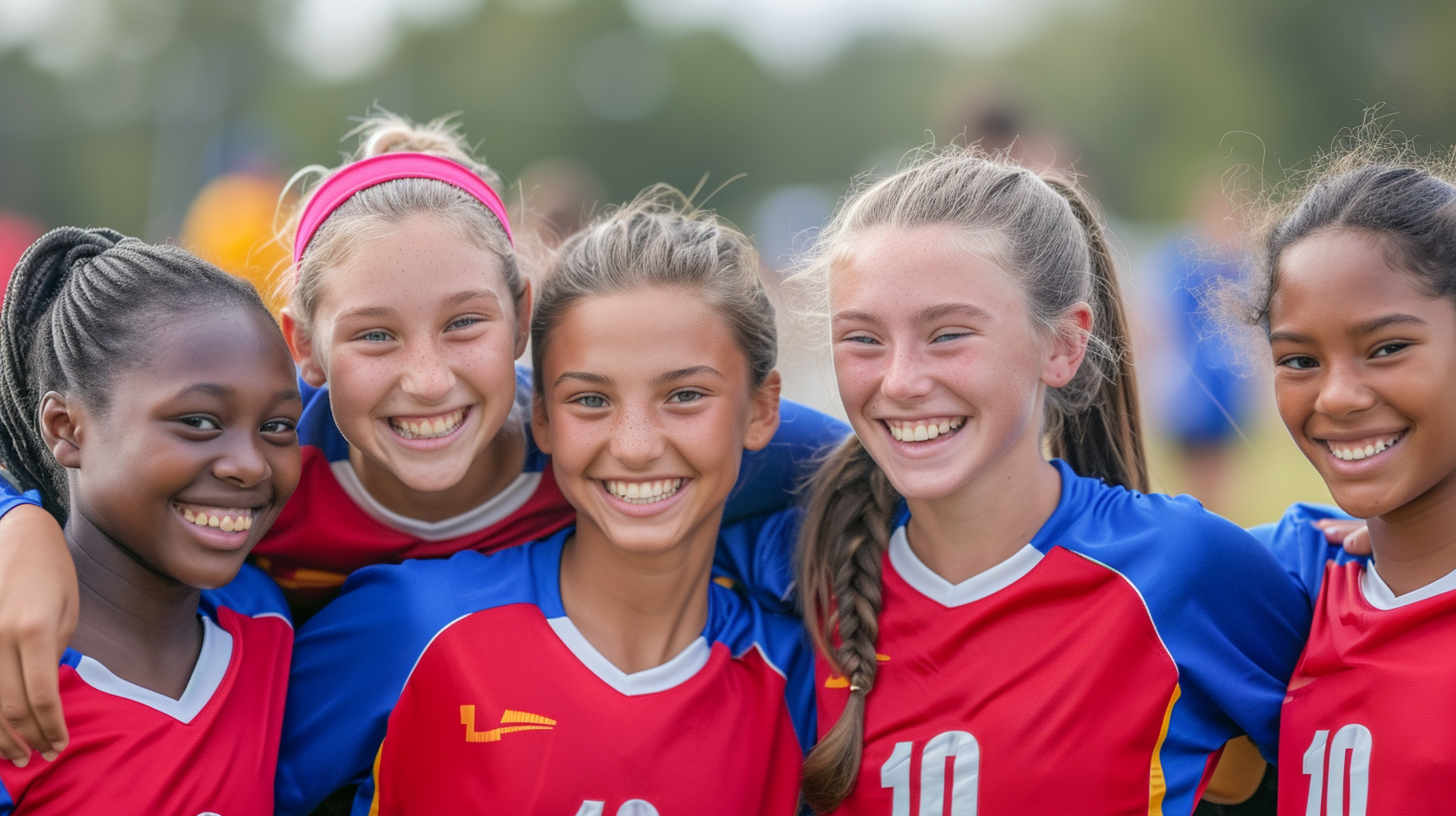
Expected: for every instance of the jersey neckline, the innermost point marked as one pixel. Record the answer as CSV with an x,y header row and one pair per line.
x,y
681,668
1379,594
207,677
927,582
490,512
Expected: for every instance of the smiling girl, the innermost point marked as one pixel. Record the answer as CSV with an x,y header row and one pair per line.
x,y
407,311
597,671
1001,633
150,398
1358,295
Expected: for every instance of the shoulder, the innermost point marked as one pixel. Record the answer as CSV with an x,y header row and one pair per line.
x,y
1300,547
742,624
316,427
251,594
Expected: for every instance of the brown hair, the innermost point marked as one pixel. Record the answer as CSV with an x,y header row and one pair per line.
x,y
1044,231
391,202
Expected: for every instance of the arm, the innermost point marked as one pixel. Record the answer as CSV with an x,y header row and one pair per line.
x,y
770,479
758,554
39,601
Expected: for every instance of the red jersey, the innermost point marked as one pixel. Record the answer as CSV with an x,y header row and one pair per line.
x,y
134,751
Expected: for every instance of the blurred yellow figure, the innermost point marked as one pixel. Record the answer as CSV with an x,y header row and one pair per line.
x,y
230,224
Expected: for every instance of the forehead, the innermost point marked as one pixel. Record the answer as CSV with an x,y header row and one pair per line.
x,y
643,332
1340,275
416,261
894,270
227,343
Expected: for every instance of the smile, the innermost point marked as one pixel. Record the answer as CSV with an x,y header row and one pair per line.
x,y
643,492
226,519
923,430
429,427
1357,449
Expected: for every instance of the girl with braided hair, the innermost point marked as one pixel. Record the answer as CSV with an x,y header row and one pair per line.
x,y
150,399
408,308
1000,633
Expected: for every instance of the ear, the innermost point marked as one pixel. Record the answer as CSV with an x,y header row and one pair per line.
x,y
540,425
300,346
1069,346
60,427
523,320
763,422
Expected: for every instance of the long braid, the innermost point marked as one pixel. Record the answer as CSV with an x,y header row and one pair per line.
x,y
80,307
851,512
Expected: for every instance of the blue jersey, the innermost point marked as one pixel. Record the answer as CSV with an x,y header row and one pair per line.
x,y
1301,548
463,680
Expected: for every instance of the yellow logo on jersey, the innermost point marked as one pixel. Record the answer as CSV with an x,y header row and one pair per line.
x,y
838,681
510,722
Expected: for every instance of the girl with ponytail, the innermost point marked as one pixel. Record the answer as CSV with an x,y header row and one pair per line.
x,y
150,400
1000,633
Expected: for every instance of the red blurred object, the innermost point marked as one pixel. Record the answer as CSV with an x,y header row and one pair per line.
x,y
17,233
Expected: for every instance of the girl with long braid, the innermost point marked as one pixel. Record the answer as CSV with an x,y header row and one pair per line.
x,y
1000,633
149,398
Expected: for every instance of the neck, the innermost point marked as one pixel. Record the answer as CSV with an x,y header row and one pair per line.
x,y
639,610
985,522
140,624
1414,544
491,472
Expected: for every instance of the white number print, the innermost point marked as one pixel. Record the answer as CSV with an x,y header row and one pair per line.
x,y
631,807
1326,771
958,746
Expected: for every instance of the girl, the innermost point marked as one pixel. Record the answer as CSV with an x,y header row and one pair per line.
x,y
598,670
407,310
151,399
999,633
1357,293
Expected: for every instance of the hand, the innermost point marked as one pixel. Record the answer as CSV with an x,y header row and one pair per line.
x,y
38,605
1352,534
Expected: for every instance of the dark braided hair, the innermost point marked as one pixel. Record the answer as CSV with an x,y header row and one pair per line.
x,y
81,308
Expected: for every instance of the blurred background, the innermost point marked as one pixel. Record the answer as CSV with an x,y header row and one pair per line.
x,y
182,121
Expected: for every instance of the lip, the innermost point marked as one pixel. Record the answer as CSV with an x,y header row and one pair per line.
x,y
433,443
643,510
925,448
1357,467
217,539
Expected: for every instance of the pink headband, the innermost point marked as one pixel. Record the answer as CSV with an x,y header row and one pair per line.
x,y
341,186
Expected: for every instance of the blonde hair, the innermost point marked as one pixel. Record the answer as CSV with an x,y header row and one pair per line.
x,y
390,203
1047,234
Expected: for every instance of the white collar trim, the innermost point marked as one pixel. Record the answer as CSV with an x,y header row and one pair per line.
x,y
673,673
1380,595
925,581
492,511
207,675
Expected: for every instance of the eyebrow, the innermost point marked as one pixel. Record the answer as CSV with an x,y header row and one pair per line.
x,y
370,312
223,391
1358,330
584,376
471,294
923,316
684,373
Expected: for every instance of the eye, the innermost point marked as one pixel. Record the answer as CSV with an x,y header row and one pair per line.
x,y
950,334
590,401
374,336
1298,362
860,339
201,423
463,322
278,426
686,395
1389,349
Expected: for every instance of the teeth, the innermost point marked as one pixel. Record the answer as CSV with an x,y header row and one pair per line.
x,y
229,521
428,428
923,430
1356,453
643,492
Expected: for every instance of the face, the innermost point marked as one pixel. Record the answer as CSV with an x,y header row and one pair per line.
x,y
195,452
417,336
1364,367
939,365
646,421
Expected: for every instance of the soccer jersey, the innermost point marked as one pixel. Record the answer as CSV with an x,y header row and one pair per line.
x,y
460,686
1368,722
1097,670
134,751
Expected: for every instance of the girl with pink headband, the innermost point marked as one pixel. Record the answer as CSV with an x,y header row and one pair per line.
x,y
407,309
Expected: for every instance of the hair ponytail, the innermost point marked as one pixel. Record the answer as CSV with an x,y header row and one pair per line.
x,y
1093,422
851,513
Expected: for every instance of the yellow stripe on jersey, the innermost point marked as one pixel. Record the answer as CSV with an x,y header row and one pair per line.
x,y
535,722
374,803
1157,782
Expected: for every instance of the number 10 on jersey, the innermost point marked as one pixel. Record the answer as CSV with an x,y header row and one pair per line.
x,y
964,754
1324,763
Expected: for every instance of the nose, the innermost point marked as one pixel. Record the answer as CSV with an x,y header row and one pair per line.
x,y
637,439
1343,392
906,377
427,374
243,462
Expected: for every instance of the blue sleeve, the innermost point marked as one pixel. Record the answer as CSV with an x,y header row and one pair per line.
x,y
251,593
769,478
11,497
7,804
758,554
350,664
1301,548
